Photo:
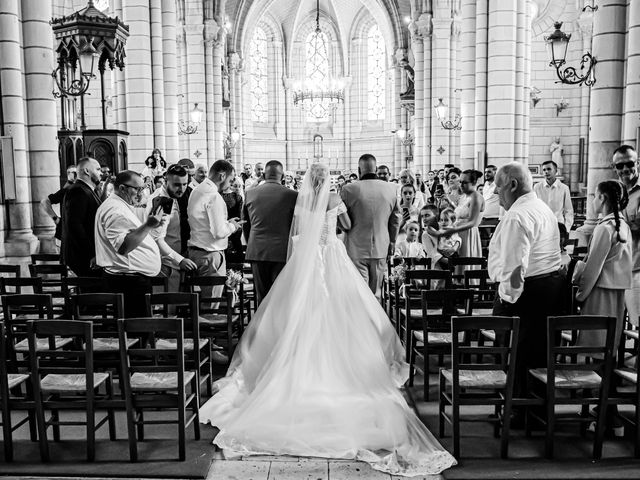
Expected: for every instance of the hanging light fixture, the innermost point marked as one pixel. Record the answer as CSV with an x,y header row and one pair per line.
x,y
557,44
320,93
441,112
190,127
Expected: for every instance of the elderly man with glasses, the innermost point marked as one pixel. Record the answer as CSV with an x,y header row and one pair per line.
x,y
625,163
129,256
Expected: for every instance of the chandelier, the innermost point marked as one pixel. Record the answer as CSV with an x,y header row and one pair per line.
x,y
319,93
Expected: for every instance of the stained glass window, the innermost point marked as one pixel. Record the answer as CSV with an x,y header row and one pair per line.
x,y
376,74
317,71
258,69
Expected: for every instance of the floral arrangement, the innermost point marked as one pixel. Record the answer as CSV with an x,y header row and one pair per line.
x,y
398,273
234,279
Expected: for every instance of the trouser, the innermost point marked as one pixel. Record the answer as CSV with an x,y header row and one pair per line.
x,y
264,276
632,299
134,287
210,264
173,276
372,270
541,297
486,229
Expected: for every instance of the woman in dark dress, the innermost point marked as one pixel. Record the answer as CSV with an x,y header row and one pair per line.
x,y
234,200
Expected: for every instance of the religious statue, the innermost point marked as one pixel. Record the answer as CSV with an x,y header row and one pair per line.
x,y
410,91
556,151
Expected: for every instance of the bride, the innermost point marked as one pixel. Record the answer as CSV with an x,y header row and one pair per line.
x,y
318,371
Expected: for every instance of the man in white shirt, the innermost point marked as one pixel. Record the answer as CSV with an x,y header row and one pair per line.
x,y
168,235
524,258
555,194
124,248
491,212
256,179
210,228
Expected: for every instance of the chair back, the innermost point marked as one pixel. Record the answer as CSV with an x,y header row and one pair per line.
x,y
75,359
225,301
501,353
186,307
46,258
9,270
14,285
160,282
439,306
427,279
76,285
102,309
479,262
478,279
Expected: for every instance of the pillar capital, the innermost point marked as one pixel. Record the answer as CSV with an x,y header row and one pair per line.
x,y
422,27
235,62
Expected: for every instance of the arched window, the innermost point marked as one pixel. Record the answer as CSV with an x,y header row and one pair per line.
x,y
376,82
258,70
317,70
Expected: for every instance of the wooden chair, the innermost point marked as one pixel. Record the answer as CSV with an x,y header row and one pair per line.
x,y
46,258
65,380
186,307
221,323
52,283
103,310
156,379
160,283
17,311
458,265
431,332
581,378
415,282
14,285
490,383
12,398
76,285
579,252
10,271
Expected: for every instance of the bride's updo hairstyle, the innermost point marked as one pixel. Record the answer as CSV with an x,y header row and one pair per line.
x,y
318,173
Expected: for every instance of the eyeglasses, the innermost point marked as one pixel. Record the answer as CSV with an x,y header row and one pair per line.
x,y
177,169
137,189
629,164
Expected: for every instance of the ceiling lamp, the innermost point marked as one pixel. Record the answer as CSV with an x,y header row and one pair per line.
x,y
318,94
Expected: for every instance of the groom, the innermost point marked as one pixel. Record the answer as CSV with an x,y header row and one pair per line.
x,y
268,211
372,206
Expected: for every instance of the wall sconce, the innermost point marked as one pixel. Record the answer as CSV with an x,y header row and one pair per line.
x,y
592,7
441,112
557,44
407,141
560,106
230,142
536,95
191,126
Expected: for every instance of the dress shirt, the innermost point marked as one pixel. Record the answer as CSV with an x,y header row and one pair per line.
x,y
632,215
207,214
608,263
253,182
410,249
558,197
169,230
491,201
526,243
114,221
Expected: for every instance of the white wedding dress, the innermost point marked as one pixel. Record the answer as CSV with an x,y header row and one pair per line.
x,y
317,372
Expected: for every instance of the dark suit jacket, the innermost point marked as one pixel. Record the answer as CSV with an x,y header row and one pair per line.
x,y
185,229
372,206
268,212
78,242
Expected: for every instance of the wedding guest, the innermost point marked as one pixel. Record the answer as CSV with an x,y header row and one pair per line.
x,y
78,214
407,178
625,163
555,194
605,274
161,164
353,177
408,205
152,166
183,202
199,175
454,192
410,247
288,180
340,182
234,200
158,182
57,198
383,173
105,187
468,214
448,242
442,180
210,226
298,183
447,168
429,223
168,235
491,214
431,182
419,183
124,248
256,179
524,259
246,173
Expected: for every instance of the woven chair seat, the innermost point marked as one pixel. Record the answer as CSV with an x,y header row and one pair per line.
x,y
635,334
627,374
110,344
42,344
569,378
16,379
483,311
488,334
566,335
478,378
436,337
216,319
148,381
170,344
61,383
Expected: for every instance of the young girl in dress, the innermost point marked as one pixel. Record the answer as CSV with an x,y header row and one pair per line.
x,y
448,244
605,273
410,247
429,224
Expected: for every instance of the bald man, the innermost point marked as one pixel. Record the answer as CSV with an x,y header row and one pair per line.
x,y
524,259
79,212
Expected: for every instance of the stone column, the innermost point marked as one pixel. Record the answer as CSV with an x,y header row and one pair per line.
x,y
170,75
501,85
20,240
418,121
218,111
237,118
426,160
194,69
468,84
440,87
519,117
454,135
157,72
482,43
210,34
120,99
606,102
632,88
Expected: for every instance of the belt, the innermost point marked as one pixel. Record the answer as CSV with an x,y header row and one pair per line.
x,y
542,275
203,250
122,274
